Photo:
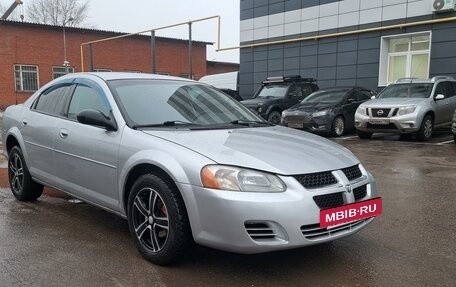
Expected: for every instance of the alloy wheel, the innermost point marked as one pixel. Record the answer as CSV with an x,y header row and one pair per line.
x,y
150,219
16,173
428,128
339,126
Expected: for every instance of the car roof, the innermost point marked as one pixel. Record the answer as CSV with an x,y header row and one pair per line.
x,y
423,81
108,76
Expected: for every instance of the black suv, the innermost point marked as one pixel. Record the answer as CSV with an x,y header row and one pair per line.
x,y
277,94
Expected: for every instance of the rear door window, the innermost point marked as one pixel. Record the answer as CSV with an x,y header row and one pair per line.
x,y
54,100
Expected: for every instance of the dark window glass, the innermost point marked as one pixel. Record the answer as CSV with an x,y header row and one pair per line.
x,y
53,100
364,95
306,90
85,98
295,91
449,90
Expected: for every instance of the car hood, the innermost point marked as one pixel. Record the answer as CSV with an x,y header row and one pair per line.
x,y
393,102
310,107
275,149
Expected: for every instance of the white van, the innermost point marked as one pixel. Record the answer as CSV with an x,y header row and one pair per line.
x,y
226,82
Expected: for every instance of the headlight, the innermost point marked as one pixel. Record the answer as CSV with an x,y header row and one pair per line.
x,y
320,114
406,110
239,179
361,111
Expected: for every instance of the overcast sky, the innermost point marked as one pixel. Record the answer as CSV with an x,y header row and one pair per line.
x,y
139,15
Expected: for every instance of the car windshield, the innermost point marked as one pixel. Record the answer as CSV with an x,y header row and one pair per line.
x,y
272,91
155,102
334,96
411,90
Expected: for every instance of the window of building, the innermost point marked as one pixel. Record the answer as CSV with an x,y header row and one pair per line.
x,y
26,77
102,70
61,71
404,56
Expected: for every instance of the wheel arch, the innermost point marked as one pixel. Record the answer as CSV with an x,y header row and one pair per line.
x,y
14,138
140,170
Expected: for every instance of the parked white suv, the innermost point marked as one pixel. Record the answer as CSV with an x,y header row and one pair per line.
x,y
409,106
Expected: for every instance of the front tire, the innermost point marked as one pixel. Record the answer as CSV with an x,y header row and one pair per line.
x,y
338,127
427,126
274,117
364,135
158,220
21,183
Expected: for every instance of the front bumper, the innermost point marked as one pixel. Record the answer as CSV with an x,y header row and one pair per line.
x,y
409,123
307,123
230,221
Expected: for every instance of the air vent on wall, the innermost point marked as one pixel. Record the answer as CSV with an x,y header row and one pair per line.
x,y
441,6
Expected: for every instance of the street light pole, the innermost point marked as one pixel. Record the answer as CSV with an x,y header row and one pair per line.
x,y
65,62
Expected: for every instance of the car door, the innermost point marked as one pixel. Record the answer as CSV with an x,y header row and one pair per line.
x,y
443,109
87,156
39,128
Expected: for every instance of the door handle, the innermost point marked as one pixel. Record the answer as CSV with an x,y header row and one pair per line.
x,y
63,133
24,122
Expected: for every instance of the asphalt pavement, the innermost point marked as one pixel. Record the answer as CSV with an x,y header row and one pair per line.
x,y
54,242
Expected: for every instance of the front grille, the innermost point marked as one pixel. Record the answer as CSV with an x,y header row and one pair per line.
x,y
260,231
360,192
314,232
352,172
381,127
319,179
380,113
329,200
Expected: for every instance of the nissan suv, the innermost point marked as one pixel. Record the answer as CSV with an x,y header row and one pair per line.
x,y
277,94
409,106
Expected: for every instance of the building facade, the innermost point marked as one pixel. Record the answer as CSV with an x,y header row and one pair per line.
x,y
368,43
32,55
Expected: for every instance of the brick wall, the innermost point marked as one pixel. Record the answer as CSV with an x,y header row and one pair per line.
x,y
42,45
221,67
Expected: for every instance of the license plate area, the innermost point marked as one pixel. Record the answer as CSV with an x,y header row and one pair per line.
x,y
337,216
296,125
382,122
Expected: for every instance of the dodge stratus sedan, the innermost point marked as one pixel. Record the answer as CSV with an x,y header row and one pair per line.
x,y
184,163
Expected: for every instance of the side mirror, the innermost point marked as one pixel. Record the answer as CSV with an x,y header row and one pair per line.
x,y
96,118
373,98
439,97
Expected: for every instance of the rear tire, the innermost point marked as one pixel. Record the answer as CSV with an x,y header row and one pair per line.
x,y
21,183
427,126
338,127
364,135
158,220
274,117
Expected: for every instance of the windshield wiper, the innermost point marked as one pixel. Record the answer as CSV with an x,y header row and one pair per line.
x,y
249,123
164,124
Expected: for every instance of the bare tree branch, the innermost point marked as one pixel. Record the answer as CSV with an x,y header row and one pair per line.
x,y
58,12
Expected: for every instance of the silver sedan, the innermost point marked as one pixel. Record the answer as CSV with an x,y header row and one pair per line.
x,y
184,163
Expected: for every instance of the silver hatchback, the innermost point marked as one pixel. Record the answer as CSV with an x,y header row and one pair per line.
x,y
183,163
409,106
